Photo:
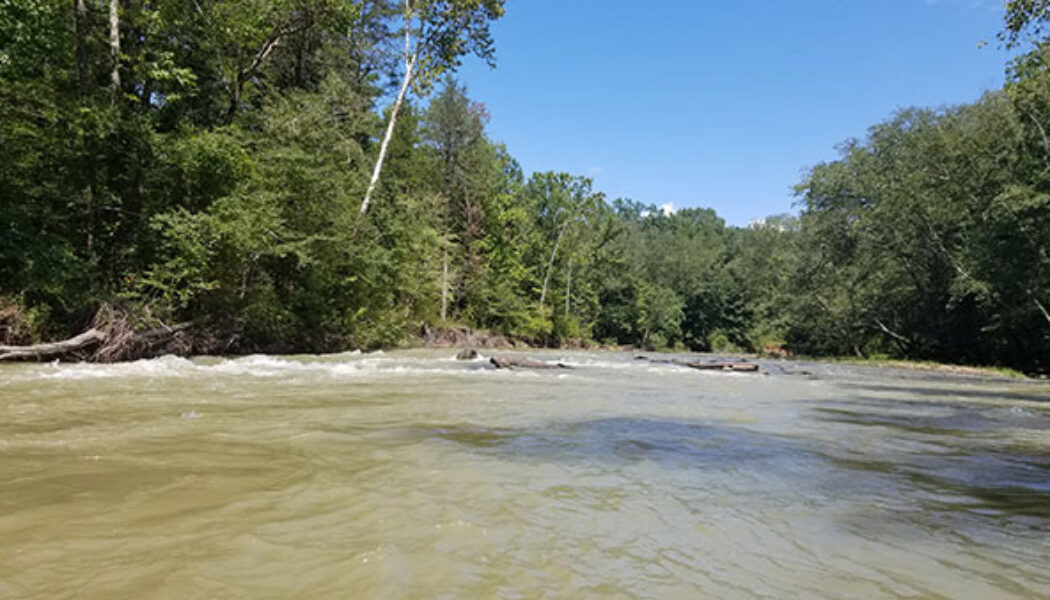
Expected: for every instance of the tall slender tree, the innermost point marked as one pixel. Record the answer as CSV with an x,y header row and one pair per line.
x,y
453,128
437,34
114,48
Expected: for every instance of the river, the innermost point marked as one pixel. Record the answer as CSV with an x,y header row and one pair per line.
x,y
412,475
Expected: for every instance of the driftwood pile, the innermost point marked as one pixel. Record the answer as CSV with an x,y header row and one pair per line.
x,y
111,338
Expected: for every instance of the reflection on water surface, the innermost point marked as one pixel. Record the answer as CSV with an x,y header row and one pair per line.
x,y
410,475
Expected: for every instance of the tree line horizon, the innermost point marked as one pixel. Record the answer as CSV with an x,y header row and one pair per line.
x,y
231,164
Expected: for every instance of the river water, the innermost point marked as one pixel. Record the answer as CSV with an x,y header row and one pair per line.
x,y
412,475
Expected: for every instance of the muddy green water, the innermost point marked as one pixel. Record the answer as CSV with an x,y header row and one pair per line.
x,y
411,475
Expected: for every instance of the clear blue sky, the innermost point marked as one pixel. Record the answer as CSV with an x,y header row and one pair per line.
x,y
721,104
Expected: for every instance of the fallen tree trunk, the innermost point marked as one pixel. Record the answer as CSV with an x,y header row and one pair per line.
x,y
41,351
510,362
739,367
109,342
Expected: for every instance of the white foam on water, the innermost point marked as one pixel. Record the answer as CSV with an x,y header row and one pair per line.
x,y
293,369
165,366
345,366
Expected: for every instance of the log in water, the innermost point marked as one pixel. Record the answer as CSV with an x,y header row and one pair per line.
x,y
503,361
414,475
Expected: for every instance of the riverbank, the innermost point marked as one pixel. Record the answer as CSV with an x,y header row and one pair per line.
x,y
112,338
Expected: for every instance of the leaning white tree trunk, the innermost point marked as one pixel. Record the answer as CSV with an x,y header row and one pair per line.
x,y
114,46
410,65
1042,309
386,140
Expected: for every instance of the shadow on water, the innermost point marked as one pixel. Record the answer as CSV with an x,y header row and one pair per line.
x,y
941,419
980,486
625,440
963,477
972,461
1041,395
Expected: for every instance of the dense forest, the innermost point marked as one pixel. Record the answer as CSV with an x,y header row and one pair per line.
x,y
226,165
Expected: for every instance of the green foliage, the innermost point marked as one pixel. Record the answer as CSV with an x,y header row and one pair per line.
x,y
446,30
31,38
222,184
928,239
1024,16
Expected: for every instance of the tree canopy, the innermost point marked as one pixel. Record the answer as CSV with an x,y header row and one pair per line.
x,y
218,179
